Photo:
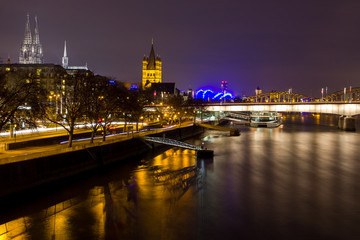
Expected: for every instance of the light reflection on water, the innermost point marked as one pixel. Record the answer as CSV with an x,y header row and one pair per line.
x,y
294,182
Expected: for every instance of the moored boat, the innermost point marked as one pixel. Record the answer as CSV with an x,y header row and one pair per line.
x,y
265,119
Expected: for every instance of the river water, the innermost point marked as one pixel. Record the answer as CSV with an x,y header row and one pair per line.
x,y
291,182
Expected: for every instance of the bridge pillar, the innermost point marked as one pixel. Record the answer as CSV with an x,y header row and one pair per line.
x,y
341,122
347,123
235,132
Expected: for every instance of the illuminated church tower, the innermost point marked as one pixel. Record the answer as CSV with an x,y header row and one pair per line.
x,y
151,69
65,59
31,50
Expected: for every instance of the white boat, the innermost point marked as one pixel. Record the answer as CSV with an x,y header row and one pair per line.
x,y
265,119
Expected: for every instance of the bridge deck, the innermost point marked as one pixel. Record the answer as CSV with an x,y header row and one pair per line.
x,y
216,127
172,142
348,109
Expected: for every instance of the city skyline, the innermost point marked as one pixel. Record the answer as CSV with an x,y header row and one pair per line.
x,y
304,46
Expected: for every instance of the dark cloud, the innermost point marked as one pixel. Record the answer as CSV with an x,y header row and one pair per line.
x,y
304,45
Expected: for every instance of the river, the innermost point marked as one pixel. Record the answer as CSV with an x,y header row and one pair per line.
x,y
291,182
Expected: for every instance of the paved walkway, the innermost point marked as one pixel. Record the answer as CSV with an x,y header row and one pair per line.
x,y
28,153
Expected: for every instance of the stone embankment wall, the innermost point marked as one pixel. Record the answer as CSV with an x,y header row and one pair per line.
x,y
18,176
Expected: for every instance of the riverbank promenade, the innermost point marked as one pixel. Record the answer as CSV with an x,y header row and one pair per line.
x,y
31,152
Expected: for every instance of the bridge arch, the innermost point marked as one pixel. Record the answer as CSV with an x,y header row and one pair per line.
x,y
279,97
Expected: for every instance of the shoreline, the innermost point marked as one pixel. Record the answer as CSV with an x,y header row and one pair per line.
x,y
35,171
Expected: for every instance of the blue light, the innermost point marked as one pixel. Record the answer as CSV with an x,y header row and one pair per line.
x,y
196,95
227,95
217,95
134,86
204,94
209,94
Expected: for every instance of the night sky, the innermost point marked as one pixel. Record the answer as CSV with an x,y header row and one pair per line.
x,y
273,44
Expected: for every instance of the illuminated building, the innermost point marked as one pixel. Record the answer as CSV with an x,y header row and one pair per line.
x,y
31,50
210,96
132,85
258,91
65,59
163,90
151,69
50,76
72,70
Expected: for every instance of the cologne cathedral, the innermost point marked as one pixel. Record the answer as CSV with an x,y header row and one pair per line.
x,y
31,50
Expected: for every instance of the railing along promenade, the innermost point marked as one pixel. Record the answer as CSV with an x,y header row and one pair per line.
x,y
339,108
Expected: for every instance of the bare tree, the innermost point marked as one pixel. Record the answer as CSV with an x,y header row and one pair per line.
x,y
134,107
195,106
72,103
18,99
112,105
101,102
178,106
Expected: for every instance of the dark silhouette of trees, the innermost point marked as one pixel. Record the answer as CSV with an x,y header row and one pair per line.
x,y
134,106
111,105
73,105
105,103
178,106
195,106
18,99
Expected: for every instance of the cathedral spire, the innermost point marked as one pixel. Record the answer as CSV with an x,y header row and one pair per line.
x,y
31,50
65,59
37,48
36,32
26,54
27,38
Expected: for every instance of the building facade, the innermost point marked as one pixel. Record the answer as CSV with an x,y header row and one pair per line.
x,y
31,51
51,77
152,69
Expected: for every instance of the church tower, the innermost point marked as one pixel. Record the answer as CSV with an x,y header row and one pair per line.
x,y
65,59
37,48
25,55
31,50
151,69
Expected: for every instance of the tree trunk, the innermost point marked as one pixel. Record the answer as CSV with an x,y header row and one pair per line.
x,y
104,133
92,136
125,124
137,125
71,133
